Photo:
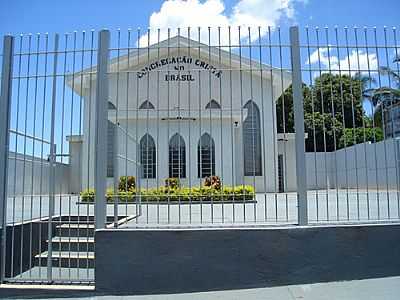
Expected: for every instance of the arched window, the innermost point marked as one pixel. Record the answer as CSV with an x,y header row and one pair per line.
x,y
148,156
213,104
146,105
205,156
177,157
252,140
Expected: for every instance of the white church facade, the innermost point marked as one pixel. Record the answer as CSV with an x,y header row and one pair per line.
x,y
183,109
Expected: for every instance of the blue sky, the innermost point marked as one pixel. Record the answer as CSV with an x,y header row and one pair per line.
x,y
21,16
54,16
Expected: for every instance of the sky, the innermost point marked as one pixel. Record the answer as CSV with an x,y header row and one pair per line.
x,y
33,16
51,16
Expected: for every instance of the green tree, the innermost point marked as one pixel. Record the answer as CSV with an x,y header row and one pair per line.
x,y
339,95
331,105
284,109
323,130
359,135
383,97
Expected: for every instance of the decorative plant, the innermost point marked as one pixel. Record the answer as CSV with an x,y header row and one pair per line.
x,y
213,182
87,195
172,183
127,183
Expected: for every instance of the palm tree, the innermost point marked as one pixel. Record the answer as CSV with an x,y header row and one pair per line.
x,y
384,96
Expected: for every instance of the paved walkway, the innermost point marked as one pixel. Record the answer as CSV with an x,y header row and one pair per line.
x,y
270,208
370,289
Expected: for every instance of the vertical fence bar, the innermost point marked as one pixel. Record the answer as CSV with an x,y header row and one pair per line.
x,y
101,128
52,160
115,170
299,126
5,102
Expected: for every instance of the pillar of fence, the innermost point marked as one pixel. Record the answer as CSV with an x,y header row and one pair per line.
x,y
301,173
101,117
5,111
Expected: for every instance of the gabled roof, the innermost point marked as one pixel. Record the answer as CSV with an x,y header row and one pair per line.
x,y
139,57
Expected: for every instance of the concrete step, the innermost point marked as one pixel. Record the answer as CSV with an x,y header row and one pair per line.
x,y
76,218
66,243
66,259
75,230
76,275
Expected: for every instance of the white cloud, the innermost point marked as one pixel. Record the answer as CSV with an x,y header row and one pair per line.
x,y
212,13
356,61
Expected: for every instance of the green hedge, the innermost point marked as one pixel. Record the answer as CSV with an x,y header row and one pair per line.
x,y
204,193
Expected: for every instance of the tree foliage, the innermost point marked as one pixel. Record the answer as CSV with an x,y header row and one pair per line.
x,y
354,136
332,105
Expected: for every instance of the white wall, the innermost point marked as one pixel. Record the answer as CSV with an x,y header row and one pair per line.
x,y
75,163
31,176
233,91
372,165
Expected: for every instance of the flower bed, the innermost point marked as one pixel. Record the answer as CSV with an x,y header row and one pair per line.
x,y
184,194
212,190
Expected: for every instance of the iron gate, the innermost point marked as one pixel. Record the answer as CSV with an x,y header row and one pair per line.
x,y
198,127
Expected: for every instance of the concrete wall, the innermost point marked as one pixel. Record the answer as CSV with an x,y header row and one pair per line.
x,y
31,175
182,260
363,165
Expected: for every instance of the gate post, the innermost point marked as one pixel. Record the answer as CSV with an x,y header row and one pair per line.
x,y
5,111
301,174
101,117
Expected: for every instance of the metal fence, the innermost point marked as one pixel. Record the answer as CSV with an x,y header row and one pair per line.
x,y
191,127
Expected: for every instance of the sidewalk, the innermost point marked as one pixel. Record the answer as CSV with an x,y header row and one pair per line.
x,y
370,289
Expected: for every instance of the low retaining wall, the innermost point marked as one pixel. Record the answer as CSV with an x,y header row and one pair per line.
x,y
148,261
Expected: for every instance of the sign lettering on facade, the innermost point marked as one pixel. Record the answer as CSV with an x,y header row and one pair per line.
x,y
179,62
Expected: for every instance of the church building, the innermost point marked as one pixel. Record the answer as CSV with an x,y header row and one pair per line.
x,y
184,109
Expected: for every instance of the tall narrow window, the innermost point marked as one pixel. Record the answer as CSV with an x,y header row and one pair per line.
x,y
148,156
177,157
252,140
205,156
281,180
111,132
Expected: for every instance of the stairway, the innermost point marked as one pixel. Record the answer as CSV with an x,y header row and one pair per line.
x,y
72,247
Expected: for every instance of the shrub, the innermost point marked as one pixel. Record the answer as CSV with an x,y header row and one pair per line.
x,y
172,183
87,195
163,194
213,182
110,195
124,196
127,183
